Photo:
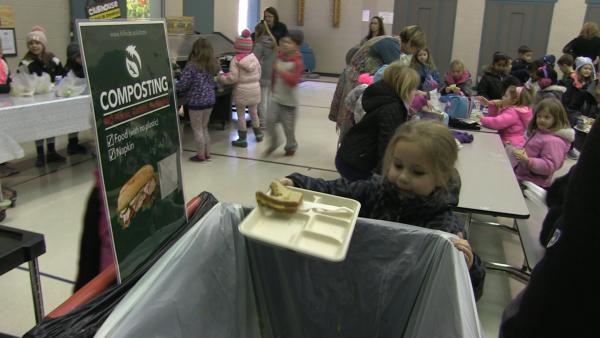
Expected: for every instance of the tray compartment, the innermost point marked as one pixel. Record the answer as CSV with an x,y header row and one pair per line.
x,y
333,227
316,244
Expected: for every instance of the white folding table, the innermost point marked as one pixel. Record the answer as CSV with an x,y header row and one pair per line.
x,y
489,186
38,117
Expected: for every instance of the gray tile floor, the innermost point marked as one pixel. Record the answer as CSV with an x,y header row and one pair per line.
x,y
51,201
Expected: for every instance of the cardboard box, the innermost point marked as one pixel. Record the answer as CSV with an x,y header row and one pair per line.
x,y
180,25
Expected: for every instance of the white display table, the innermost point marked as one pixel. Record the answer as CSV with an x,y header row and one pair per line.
x,y
37,117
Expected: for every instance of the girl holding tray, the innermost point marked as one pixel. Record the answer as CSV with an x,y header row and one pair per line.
x,y
419,185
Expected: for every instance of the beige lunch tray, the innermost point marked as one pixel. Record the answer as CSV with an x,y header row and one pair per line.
x,y
322,227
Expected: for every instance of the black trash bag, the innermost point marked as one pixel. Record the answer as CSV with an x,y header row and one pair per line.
x,y
85,320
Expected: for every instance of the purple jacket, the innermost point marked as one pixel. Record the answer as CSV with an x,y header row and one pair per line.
x,y
198,87
546,151
511,122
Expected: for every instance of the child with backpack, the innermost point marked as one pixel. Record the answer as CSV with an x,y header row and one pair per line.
x,y
283,107
354,98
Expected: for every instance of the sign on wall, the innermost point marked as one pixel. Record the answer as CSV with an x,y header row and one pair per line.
x,y
104,10
7,17
131,88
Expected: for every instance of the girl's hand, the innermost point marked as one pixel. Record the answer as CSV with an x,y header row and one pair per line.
x,y
412,113
483,100
448,89
286,182
464,246
521,156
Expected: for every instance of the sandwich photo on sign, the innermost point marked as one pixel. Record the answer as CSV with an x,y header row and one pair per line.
x,y
138,192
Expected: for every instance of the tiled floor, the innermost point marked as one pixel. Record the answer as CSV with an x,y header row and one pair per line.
x,y
51,201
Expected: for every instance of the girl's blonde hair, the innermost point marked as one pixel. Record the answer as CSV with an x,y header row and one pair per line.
x,y
589,30
523,96
555,108
402,79
436,143
415,63
458,64
203,57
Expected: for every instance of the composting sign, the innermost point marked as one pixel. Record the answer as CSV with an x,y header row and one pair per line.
x,y
129,74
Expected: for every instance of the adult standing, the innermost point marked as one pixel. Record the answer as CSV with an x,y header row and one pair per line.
x,y
560,299
586,44
277,28
265,49
375,29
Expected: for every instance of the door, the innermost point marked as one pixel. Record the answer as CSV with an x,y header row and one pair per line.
x,y
593,11
436,18
510,24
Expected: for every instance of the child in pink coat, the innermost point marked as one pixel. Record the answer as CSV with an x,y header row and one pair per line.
x,y
550,139
244,72
510,116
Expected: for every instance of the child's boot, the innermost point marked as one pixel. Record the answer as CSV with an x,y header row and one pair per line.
x,y
74,147
241,141
41,160
53,156
258,134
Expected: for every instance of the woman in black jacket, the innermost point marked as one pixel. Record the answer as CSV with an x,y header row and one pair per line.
x,y
278,29
586,44
385,103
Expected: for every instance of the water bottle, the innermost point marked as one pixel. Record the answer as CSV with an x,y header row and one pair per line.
x,y
483,109
57,79
445,118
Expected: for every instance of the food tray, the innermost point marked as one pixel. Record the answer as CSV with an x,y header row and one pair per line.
x,y
322,227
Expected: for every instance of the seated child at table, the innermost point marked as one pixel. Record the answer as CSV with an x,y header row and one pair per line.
x,y
424,65
4,73
457,80
550,137
547,81
510,116
565,65
496,77
419,185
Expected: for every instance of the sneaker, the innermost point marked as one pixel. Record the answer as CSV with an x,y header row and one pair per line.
x,y
197,158
76,149
289,152
259,136
54,157
573,154
240,143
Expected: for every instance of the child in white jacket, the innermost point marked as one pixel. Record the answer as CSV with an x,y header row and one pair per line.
x,y
244,72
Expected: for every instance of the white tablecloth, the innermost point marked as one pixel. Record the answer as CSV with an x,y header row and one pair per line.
x,y
25,119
